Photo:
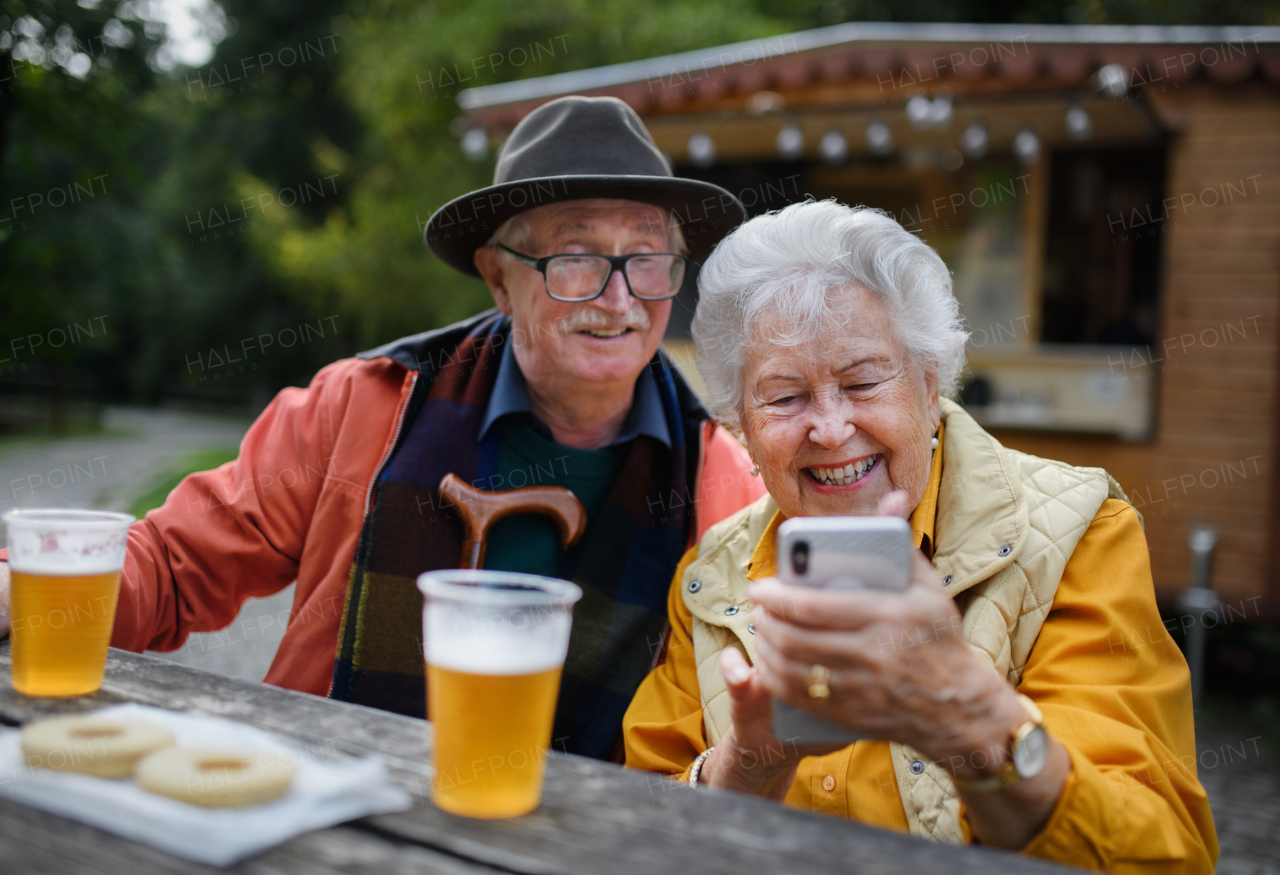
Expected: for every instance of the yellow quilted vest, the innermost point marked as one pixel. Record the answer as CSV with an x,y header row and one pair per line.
x,y
1007,524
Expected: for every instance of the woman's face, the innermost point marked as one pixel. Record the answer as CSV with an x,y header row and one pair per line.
x,y
837,424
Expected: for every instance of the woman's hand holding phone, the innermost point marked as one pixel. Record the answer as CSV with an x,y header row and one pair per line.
x,y
899,665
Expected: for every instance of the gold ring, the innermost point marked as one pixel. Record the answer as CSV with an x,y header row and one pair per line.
x,y
818,677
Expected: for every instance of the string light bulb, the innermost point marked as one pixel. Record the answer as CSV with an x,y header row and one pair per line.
x,y
879,138
475,144
833,147
702,151
924,113
790,142
1079,125
1026,146
974,141
1112,80
920,112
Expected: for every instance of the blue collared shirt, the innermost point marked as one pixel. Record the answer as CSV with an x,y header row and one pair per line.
x,y
511,395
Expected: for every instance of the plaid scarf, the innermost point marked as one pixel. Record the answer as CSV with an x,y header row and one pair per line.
x,y
624,561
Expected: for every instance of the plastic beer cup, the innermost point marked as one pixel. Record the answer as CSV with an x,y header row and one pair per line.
x,y
64,577
495,644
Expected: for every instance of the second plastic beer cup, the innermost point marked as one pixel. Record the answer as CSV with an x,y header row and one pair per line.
x,y
495,644
64,577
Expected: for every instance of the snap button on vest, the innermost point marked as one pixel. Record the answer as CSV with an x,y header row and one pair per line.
x,y
916,767
731,610
751,627
946,581
1006,550
695,585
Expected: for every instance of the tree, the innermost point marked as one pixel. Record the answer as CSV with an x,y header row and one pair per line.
x,y
74,139
401,75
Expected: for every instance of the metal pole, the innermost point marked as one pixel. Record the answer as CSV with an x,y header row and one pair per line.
x,y
1197,600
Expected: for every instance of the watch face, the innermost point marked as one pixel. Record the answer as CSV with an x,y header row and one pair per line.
x,y
1029,755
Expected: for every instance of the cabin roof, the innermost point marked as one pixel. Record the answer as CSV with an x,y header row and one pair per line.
x,y
993,55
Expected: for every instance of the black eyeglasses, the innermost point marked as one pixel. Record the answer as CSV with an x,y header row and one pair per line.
x,y
576,278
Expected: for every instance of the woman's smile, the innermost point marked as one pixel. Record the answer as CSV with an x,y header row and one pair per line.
x,y
843,476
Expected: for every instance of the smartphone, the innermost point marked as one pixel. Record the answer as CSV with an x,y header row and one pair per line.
x,y
845,552
853,552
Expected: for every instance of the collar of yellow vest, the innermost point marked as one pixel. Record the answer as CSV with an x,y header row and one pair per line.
x,y
981,527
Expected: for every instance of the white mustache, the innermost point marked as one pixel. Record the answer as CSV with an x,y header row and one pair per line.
x,y
589,317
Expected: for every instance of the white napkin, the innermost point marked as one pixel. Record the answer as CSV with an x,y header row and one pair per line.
x,y
324,793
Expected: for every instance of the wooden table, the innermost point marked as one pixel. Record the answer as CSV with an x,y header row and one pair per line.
x,y
595,818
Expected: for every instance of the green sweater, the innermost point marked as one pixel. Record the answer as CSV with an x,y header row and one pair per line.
x,y
531,542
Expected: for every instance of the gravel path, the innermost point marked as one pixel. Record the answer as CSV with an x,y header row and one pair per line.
x,y
1241,774
108,470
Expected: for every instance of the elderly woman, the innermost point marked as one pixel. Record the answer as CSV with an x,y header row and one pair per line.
x,y
1023,691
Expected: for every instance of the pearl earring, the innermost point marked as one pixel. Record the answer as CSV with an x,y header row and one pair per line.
x,y
755,470
933,442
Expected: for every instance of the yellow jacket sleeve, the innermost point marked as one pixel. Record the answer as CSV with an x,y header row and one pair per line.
x,y
662,729
1116,692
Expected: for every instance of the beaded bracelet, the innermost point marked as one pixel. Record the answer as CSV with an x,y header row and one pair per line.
x,y
695,771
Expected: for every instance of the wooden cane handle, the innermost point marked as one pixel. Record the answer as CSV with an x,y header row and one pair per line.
x,y
479,509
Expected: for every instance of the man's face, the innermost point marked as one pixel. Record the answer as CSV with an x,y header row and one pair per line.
x,y
560,345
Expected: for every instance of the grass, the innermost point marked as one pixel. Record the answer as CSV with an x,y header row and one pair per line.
x,y
200,460
45,431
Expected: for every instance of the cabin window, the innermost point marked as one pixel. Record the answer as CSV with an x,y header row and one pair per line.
x,y
1106,227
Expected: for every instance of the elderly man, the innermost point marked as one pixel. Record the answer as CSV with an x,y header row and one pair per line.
x,y
582,241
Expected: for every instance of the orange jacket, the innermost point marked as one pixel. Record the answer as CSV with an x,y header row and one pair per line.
x,y
291,508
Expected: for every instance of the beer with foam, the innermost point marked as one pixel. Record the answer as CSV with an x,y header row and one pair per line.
x,y
495,645
64,577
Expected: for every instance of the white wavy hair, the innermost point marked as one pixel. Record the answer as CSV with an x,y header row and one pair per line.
x,y
793,265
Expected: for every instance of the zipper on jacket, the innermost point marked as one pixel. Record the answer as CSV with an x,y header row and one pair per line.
x,y
395,438
368,496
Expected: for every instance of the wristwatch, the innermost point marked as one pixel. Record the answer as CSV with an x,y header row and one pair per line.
x,y
1028,748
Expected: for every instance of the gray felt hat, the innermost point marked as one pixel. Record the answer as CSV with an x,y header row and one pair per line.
x,y
575,148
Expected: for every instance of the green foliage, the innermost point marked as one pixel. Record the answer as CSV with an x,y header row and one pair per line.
x,y
165,155
73,186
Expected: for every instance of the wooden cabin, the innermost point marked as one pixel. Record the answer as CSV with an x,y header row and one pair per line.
x,y
1108,199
